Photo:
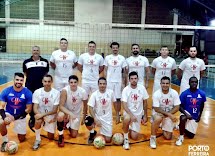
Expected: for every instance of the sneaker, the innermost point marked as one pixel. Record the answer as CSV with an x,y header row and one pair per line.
x,y
36,145
91,137
153,142
126,144
3,145
61,141
179,141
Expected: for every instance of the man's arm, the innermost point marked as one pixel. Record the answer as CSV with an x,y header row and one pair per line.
x,y
202,72
181,109
147,69
101,68
105,71
84,110
201,110
145,108
2,111
53,65
80,67
153,70
41,115
179,74
173,72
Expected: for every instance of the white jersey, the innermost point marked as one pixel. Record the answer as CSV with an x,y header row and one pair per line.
x,y
46,100
64,62
115,65
102,104
164,67
165,101
91,64
138,64
74,101
190,67
134,98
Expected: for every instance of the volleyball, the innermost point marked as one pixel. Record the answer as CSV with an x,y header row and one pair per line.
x,y
99,142
117,139
11,147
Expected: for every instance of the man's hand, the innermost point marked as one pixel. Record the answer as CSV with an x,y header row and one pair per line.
x,y
7,120
189,117
38,116
172,117
133,118
144,120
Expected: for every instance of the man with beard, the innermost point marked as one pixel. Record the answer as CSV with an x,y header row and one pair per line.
x,y
34,69
163,65
165,104
100,108
115,65
18,102
139,64
192,66
191,108
134,100
63,61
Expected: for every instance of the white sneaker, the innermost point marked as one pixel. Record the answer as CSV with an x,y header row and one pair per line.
x,y
179,141
126,144
153,142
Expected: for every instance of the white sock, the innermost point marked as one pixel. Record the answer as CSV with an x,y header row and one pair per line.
x,y
5,138
153,136
125,135
181,136
92,131
60,132
37,132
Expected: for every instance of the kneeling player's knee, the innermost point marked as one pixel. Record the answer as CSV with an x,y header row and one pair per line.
x,y
134,135
50,136
183,118
21,137
89,121
60,116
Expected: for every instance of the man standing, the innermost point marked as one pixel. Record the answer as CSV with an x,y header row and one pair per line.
x,y
35,68
139,64
46,101
134,100
15,104
73,99
115,65
90,65
192,105
192,66
63,61
163,65
165,104
100,108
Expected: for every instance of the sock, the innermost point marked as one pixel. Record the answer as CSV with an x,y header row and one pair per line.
x,y
92,131
181,136
153,136
37,132
125,135
5,138
60,132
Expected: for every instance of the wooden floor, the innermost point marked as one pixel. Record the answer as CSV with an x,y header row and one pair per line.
x,y
78,147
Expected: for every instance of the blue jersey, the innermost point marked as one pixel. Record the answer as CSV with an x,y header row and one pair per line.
x,y
192,101
16,101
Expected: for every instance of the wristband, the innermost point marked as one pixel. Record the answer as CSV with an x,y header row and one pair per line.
x,y
2,113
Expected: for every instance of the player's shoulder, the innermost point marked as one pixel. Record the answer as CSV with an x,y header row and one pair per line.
x,y
173,91
157,93
56,52
8,89
201,92
55,91
26,90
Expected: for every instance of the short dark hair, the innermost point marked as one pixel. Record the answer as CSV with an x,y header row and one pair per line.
x,y
19,74
165,78
135,44
64,39
74,77
193,77
102,78
92,42
193,47
48,75
132,73
114,43
164,46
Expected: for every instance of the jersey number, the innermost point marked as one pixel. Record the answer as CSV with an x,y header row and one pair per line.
x,y
194,110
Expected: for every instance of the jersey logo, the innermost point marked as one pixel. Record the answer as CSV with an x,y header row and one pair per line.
x,y
166,101
23,96
193,101
74,99
115,62
189,95
103,101
164,65
91,62
193,67
63,57
15,100
11,94
136,63
45,100
134,97
199,96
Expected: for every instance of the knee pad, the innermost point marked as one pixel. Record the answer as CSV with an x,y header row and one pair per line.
x,y
88,121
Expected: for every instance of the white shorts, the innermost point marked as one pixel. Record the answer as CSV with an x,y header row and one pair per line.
x,y
50,127
74,123
60,83
167,124
116,87
90,87
106,129
191,126
134,126
19,125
